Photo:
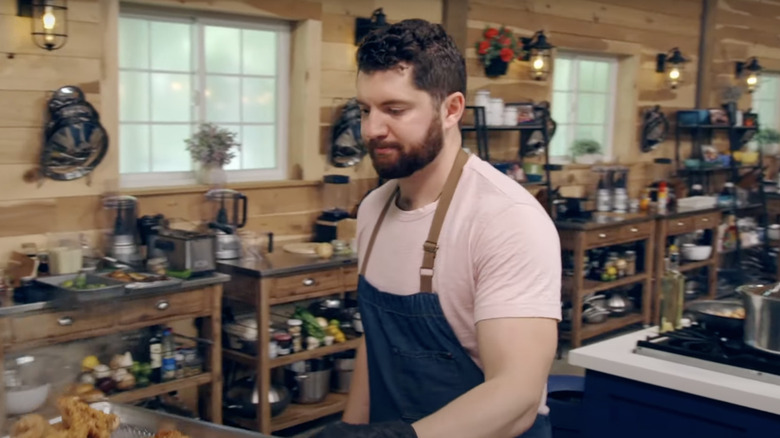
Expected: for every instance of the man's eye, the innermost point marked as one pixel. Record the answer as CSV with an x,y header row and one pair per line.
x,y
395,111
364,111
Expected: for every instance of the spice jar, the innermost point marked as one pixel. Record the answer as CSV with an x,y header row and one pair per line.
x,y
294,328
620,264
283,343
630,263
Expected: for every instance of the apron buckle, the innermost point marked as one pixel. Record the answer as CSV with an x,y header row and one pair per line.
x,y
426,272
430,247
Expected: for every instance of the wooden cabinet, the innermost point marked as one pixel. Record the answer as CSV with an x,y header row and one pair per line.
x,y
61,326
165,308
271,290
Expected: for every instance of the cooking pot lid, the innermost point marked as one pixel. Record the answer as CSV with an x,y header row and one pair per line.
x,y
770,291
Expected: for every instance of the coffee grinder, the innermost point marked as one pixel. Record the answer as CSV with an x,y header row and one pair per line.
x,y
228,214
122,241
335,196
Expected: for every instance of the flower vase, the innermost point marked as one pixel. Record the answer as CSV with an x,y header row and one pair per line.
x,y
496,68
211,174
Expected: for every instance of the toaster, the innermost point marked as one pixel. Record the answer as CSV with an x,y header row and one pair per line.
x,y
187,250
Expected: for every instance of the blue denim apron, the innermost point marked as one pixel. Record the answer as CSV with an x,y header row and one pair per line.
x,y
416,363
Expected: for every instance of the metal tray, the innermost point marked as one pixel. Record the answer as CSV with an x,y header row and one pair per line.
x,y
137,422
113,288
143,284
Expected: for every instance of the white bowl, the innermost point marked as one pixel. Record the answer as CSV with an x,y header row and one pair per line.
x,y
773,232
696,252
25,401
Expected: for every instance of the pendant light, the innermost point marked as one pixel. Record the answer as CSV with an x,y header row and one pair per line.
x,y
673,65
49,21
539,52
749,71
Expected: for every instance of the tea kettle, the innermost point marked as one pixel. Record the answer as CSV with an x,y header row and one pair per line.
x,y
227,219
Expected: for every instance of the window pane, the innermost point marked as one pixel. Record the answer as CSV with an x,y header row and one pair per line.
x,y
133,148
258,100
171,98
223,46
586,78
259,147
171,48
590,132
223,99
560,146
168,149
133,43
600,76
259,57
562,74
133,97
561,105
591,108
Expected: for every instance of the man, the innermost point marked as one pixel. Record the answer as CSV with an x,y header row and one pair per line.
x,y
459,289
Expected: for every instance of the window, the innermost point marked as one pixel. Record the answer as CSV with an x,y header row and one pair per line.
x,y
583,102
176,72
766,100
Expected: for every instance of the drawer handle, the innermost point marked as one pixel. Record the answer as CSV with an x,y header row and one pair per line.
x,y
308,282
634,230
163,305
65,321
679,224
602,236
706,219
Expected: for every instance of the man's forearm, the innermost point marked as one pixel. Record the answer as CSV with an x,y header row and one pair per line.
x,y
357,408
496,408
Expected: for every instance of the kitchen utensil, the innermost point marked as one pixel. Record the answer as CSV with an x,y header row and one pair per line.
x,y
693,252
595,315
692,288
711,314
773,232
336,198
301,248
762,316
618,304
97,287
122,242
357,322
187,250
228,214
242,334
312,384
343,366
27,380
241,398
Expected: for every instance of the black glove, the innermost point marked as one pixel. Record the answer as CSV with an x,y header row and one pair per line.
x,y
392,429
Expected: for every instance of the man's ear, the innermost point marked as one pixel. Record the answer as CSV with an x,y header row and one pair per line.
x,y
452,109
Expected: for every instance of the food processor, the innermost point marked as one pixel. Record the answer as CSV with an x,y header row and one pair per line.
x,y
122,242
335,197
228,214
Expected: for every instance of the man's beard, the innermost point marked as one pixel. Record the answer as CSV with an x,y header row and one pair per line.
x,y
412,159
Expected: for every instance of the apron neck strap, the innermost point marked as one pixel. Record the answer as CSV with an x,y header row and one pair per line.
x,y
431,243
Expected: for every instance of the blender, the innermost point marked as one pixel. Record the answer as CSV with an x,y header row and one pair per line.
x,y
335,194
229,214
123,239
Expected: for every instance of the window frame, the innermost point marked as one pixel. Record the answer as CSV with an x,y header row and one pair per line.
x,y
775,99
574,92
199,21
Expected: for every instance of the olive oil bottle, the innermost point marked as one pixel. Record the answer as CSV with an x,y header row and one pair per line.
x,y
672,294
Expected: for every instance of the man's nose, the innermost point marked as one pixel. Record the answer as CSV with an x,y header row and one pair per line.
x,y
373,126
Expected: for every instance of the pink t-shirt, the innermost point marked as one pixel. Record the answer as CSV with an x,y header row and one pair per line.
x,y
499,252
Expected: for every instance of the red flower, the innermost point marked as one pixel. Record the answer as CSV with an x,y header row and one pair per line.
x,y
504,41
506,54
491,33
483,47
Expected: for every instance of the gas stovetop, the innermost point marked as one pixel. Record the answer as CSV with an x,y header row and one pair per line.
x,y
697,347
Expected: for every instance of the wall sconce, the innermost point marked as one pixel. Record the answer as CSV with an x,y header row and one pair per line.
x,y
752,69
539,51
364,26
49,22
673,64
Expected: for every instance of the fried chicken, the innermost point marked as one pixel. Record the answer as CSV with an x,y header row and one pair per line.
x,y
170,434
81,421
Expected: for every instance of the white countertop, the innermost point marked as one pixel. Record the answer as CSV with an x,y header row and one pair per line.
x,y
616,357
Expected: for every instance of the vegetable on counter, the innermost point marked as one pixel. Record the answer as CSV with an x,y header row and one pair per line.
x,y
310,324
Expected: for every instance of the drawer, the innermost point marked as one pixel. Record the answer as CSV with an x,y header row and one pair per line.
x,y
706,221
679,226
350,278
61,324
308,283
602,237
636,231
196,302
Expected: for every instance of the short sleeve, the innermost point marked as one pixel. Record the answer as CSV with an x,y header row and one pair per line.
x,y
517,265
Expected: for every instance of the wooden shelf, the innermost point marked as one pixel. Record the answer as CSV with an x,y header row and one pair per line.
x,y
296,414
695,265
160,388
520,127
613,323
593,286
302,297
248,359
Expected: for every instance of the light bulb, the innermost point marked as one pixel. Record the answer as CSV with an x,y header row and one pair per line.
x,y
674,74
752,79
538,62
49,20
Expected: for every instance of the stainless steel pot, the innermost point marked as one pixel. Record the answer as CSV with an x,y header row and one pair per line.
x,y
241,398
762,316
312,384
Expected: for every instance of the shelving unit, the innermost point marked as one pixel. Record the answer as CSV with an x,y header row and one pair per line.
x,y
481,128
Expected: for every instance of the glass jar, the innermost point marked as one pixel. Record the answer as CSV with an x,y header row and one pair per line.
x,y
295,329
283,343
630,258
620,264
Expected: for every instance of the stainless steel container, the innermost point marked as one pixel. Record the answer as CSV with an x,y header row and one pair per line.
x,y
187,250
311,385
762,316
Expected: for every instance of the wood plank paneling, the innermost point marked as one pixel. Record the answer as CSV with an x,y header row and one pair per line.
x,y
15,38
44,73
20,145
27,217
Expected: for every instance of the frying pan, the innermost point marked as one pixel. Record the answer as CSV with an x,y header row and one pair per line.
x,y
705,313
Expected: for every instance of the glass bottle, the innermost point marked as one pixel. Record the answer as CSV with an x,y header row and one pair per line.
x,y
672,294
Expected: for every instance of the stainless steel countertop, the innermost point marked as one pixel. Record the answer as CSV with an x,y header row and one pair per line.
x,y
282,263
195,283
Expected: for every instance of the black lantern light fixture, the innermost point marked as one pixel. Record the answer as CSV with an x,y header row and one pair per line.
x,y
673,64
364,26
49,22
538,51
750,71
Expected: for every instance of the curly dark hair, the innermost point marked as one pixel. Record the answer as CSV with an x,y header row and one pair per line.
x,y
437,66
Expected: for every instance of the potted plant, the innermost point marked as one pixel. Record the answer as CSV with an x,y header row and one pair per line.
x,y
496,49
212,148
769,141
586,151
